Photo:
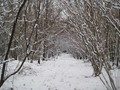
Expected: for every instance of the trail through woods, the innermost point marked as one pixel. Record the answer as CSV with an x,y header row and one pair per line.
x,y
63,73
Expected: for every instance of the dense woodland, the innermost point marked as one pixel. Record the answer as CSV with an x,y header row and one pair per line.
x,y
40,29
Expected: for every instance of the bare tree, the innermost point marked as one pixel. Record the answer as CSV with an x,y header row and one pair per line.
x,y
90,19
3,78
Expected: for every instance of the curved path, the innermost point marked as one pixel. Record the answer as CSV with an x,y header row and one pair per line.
x,y
65,73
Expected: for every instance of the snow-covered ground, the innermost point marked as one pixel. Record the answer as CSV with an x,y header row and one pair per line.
x,y
65,73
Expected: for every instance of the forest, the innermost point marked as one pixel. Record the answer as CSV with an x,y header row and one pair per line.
x,y
34,31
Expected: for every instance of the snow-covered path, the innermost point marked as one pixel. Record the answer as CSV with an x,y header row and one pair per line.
x,y
65,73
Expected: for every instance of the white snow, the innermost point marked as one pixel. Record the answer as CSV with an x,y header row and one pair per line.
x,y
64,73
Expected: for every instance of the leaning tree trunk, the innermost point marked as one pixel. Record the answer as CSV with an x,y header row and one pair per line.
x,y
2,80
